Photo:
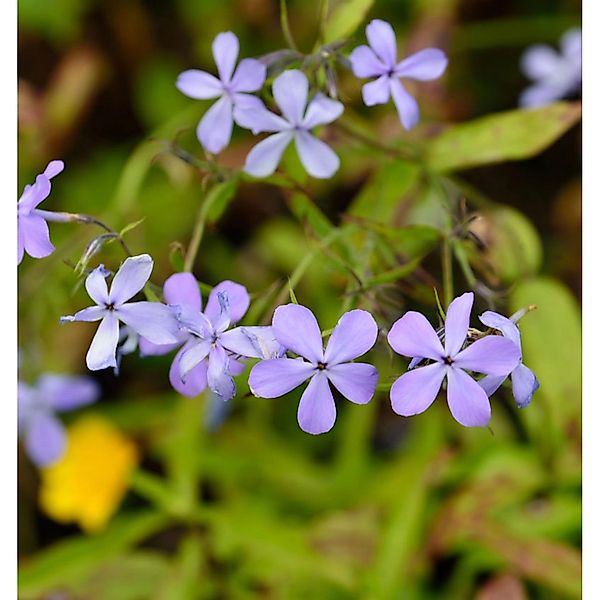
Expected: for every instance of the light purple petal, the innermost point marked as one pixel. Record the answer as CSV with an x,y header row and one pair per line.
x,y
321,110
199,85
290,90
539,95
318,158
191,355
34,195
377,92
524,384
256,117
408,109
296,328
95,284
20,242
457,323
63,392
467,401
355,381
53,168
236,367
92,313
365,63
147,348
278,376
503,324
263,159
413,335
249,76
218,377
238,298
316,411
182,288
152,320
130,278
492,355
252,342
214,130
193,321
382,39
415,362
102,351
45,440
424,65
195,379
36,236
539,62
354,334
225,48
415,391
570,44
491,383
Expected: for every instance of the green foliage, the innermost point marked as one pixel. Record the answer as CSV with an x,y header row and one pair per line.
x,y
344,18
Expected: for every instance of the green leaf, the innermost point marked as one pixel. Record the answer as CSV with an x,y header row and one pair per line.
x,y
512,135
344,19
304,209
218,198
131,226
292,294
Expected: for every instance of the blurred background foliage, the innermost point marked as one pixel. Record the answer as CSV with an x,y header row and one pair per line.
x,y
251,507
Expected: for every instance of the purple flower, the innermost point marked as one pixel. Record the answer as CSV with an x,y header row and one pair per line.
x,y
33,235
153,320
296,328
415,391
524,381
43,433
207,349
555,75
378,59
290,91
214,130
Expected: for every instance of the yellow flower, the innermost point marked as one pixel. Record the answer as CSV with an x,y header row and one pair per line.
x,y
89,482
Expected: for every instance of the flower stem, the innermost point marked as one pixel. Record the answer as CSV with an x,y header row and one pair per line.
x,y
192,251
447,276
285,25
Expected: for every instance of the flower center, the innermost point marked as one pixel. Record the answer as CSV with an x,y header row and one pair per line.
x,y
110,306
448,360
321,366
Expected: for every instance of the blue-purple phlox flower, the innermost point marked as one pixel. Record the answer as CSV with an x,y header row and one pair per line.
x,y
413,336
524,381
555,75
378,59
209,349
296,328
214,130
33,235
290,91
42,432
153,320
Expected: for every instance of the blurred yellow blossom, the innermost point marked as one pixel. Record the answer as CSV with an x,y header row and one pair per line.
x,y
89,482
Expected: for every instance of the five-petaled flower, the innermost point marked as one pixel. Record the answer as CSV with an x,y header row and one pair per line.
x,y
378,59
296,328
413,392
290,91
38,425
555,75
153,320
214,130
33,235
524,381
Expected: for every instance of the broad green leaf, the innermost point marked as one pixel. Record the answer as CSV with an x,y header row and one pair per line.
x,y
344,19
512,135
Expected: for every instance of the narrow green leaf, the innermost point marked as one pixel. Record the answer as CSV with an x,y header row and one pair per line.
x,y
344,19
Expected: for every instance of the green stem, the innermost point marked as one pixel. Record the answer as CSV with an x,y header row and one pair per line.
x,y
285,25
192,250
447,275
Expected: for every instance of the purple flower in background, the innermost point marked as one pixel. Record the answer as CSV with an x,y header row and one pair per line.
x,y
290,91
378,59
153,320
33,235
41,430
524,381
415,391
555,74
214,130
296,328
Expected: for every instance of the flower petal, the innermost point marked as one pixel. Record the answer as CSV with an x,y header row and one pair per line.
x,y
365,63
377,92
199,85
524,384
316,411
539,62
318,158
214,130
263,159
570,44
276,377
237,296
249,76
147,348
95,284
182,288
354,334
53,168
91,313
290,90
256,117
457,323
355,381
296,328
252,342
63,392
424,65
102,351
33,195
408,109
218,376
492,355
539,95
225,48
45,439
191,355
503,324
467,401
20,242
491,383
321,110
195,379
35,236
152,320
415,391
382,39
413,335
130,278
